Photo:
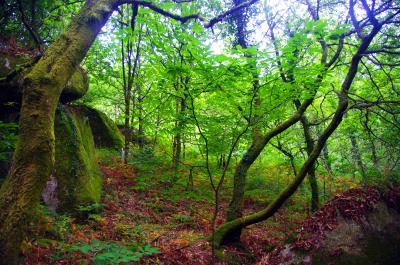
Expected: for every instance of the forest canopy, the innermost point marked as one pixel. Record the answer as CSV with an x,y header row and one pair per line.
x,y
249,106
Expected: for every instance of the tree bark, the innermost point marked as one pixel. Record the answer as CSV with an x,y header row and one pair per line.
x,y
355,151
176,152
311,172
371,142
34,156
258,143
140,109
128,85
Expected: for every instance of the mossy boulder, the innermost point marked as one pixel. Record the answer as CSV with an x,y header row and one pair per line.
x,y
76,87
76,181
105,132
14,68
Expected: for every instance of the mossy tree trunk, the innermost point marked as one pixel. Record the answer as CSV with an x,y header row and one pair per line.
x,y
34,156
232,229
312,179
258,143
311,173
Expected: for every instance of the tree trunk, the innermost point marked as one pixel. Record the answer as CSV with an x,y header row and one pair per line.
x,y
140,109
34,156
371,142
327,165
235,208
128,84
158,121
127,127
176,153
355,151
311,172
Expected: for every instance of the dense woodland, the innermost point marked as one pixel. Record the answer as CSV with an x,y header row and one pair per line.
x,y
199,132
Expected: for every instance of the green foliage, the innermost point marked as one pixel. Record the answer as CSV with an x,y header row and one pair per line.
x,y
106,252
8,139
184,88
107,156
90,208
55,225
182,218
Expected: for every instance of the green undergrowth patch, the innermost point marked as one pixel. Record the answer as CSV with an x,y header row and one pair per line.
x,y
96,251
106,156
58,237
155,175
142,233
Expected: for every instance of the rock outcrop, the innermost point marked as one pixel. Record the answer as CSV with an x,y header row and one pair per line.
x,y
105,131
14,68
360,227
76,180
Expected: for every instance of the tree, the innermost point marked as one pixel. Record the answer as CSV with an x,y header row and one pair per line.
x,y
366,29
34,156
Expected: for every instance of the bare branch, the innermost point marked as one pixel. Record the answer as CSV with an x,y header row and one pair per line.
x,y
184,19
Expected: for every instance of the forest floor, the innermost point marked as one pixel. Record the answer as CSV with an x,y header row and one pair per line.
x,y
144,219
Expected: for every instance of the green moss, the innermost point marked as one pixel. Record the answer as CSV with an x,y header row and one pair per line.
x,y
76,170
76,87
16,67
105,131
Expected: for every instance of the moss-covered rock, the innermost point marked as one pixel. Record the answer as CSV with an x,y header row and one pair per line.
x,y
76,180
76,87
14,68
105,132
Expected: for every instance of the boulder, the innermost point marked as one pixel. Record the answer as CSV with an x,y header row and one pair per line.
x,y
76,87
76,181
105,132
14,68
360,226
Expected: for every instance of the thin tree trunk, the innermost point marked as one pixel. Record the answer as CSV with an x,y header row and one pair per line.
x,y
140,108
132,69
371,142
327,165
127,127
311,173
177,138
158,121
355,151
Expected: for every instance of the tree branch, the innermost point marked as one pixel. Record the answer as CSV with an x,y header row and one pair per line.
x,y
184,19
